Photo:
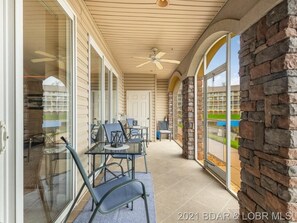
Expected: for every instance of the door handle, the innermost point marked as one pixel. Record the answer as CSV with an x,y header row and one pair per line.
x,y
3,137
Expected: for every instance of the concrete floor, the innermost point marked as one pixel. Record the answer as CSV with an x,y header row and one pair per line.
x,y
184,191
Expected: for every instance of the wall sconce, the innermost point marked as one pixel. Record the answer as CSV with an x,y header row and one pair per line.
x,y
162,3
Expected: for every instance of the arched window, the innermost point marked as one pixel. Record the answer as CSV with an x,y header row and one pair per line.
x,y
218,110
177,114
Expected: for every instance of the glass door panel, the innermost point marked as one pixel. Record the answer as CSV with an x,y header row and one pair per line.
x,y
216,124
107,96
95,97
235,115
114,98
48,110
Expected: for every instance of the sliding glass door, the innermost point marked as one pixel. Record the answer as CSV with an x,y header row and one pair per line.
x,y
48,109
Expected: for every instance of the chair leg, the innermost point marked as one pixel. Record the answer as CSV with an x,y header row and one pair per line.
x,y
146,209
94,213
145,164
128,167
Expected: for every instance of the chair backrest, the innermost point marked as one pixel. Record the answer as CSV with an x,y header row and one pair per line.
x,y
110,128
130,121
163,125
81,169
123,129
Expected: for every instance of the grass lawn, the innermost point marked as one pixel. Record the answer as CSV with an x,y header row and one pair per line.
x,y
54,116
223,116
234,144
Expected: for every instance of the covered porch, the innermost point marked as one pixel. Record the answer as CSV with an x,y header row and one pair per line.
x,y
182,188
220,74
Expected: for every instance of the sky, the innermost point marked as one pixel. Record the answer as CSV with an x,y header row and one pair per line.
x,y
220,58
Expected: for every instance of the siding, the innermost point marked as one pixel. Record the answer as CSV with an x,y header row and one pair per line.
x,y
161,99
143,82
85,26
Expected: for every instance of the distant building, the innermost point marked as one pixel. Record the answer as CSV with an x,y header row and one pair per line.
x,y
216,100
55,98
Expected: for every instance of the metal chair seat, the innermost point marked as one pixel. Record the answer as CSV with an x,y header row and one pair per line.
x,y
117,198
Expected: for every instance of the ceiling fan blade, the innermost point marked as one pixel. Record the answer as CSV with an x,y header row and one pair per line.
x,y
160,67
145,58
170,61
140,65
44,54
39,60
159,55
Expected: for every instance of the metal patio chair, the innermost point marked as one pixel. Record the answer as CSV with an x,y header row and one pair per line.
x,y
110,195
163,128
135,140
133,132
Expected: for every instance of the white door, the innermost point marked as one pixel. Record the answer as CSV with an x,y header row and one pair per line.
x,y
138,107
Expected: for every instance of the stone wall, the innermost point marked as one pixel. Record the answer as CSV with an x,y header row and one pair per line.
x,y
268,130
200,127
188,118
170,110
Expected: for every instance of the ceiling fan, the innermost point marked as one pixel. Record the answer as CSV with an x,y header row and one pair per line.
x,y
48,58
156,59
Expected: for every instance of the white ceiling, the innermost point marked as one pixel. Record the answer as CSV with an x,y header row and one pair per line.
x,y
133,27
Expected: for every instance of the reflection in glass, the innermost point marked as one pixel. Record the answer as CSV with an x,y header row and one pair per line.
x,y
48,103
216,120
114,98
107,96
95,100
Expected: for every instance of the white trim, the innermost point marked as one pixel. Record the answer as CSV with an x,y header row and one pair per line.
x,y
93,43
205,110
110,95
90,94
66,7
103,91
16,84
211,46
228,111
216,71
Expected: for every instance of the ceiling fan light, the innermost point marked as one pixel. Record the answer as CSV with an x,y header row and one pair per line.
x,y
162,3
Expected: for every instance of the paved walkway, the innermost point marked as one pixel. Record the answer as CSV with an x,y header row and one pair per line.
x,y
183,187
184,191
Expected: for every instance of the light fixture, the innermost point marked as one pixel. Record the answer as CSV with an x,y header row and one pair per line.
x,y
162,3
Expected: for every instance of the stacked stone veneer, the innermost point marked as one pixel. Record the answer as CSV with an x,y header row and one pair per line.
x,y
170,111
268,130
188,118
200,127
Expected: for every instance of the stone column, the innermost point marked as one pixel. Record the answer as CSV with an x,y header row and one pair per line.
x,y
170,110
188,118
200,127
268,129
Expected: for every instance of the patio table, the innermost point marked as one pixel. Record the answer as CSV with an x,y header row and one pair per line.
x,y
130,149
